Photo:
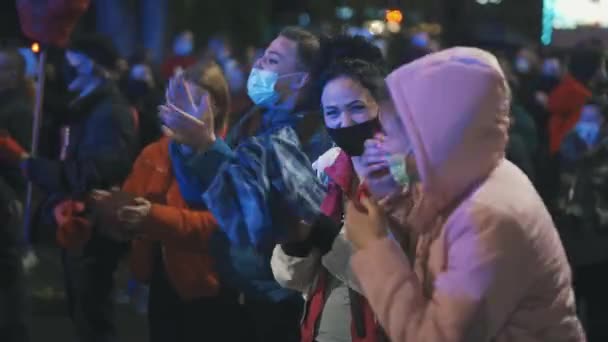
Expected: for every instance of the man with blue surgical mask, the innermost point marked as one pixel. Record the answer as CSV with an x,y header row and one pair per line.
x,y
261,183
278,77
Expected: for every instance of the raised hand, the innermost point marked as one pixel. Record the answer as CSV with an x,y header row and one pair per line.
x,y
185,121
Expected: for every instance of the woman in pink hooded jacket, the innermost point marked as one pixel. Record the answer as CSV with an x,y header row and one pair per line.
x,y
487,264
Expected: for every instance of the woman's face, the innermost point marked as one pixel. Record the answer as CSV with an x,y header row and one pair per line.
x,y
396,139
346,103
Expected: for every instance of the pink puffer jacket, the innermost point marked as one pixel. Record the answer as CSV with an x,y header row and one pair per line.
x,y
489,263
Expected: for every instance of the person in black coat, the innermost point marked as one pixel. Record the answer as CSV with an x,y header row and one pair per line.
x,y
15,120
99,144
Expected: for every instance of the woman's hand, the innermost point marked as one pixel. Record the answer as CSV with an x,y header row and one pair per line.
x,y
120,214
192,126
365,225
375,162
132,216
10,151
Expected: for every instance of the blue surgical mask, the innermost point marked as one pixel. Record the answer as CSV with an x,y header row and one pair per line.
x,y
522,65
260,86
588,131
183,47
551,68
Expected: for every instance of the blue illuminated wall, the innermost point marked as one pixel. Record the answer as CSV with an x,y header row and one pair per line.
x,y
130,24
547,23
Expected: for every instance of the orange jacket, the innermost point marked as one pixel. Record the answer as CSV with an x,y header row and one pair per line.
x,y
183,233
565,105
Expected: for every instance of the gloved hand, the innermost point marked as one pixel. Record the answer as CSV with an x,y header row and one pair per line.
x,y
73,231
10,151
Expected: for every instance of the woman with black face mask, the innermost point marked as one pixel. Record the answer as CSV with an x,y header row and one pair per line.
x,y
315,261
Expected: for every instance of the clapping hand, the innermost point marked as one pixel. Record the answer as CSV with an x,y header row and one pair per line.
x,y
132,216
121,216
186,119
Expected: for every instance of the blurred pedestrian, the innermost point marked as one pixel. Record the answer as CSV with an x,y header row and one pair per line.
x,y
171,229
565,104
16,107
99,143
183,55
583,213
145,95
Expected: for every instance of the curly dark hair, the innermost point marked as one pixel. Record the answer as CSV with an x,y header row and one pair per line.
x,y
356,58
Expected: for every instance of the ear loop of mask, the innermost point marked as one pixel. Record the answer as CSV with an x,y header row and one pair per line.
x,y
289,75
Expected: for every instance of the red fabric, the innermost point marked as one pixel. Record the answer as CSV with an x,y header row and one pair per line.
x,y
316,303
135,115
73,231
342,174
565,103
50,22
169,66
10,150
313,312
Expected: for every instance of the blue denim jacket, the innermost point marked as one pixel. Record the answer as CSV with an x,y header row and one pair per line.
x,y
255,192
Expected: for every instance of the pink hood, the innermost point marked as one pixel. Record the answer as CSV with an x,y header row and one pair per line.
x,y
455,108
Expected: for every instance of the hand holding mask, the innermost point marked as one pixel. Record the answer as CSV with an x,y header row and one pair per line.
x,y
384,173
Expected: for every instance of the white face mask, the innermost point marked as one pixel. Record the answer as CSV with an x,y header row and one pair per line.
x,y
261,86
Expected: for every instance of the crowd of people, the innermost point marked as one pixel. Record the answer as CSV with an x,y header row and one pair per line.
x,y
323,195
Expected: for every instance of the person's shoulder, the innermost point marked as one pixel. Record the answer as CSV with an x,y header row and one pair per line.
x,y
506,198
155,155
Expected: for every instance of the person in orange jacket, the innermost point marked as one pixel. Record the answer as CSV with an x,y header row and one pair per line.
x,y
171,233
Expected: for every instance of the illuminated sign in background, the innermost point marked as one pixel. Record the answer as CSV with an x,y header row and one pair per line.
x,y
570,14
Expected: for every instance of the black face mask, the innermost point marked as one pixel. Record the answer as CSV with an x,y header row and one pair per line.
x,y
352,139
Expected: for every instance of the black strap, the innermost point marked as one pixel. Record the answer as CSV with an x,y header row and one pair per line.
x,y
356,310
